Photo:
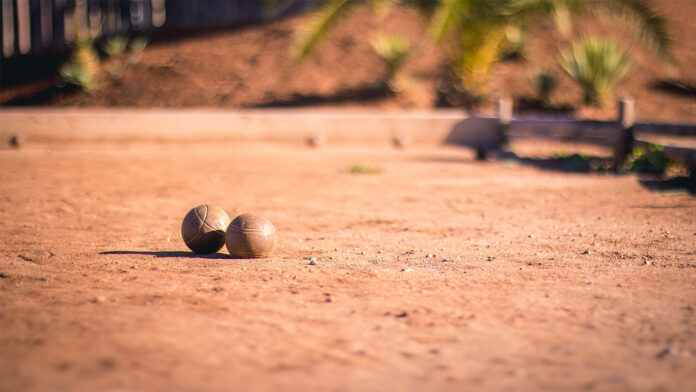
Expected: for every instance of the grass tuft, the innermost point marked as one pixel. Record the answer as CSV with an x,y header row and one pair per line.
x,y
362,169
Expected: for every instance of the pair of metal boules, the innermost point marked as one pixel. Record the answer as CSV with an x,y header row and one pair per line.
x,y
206,228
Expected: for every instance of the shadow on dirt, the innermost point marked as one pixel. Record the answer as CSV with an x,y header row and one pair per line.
x,y
579,163
675,87
569,163
533,105
573,163
190,255
366,92
671,185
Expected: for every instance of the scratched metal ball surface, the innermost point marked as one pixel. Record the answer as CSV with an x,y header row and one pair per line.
x,y
250,236
203,228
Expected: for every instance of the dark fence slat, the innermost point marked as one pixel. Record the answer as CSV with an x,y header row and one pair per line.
x,y
666,129
39,27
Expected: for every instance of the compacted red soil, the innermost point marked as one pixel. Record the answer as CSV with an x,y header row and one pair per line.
x,y
431,272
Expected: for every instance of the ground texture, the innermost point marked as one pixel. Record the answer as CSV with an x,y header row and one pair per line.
x,y
435,273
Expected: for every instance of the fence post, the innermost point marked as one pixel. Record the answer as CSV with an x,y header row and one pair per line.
x,y
504,116
626,120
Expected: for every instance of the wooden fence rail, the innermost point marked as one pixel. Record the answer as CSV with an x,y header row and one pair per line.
x,y
486,134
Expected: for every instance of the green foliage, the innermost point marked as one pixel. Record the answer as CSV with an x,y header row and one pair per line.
x,y
82,69
362,169
545,83
579,163
137,46
515,41
393,49
643,20
318,26
650,159
476,34
598,65
121,51
115,46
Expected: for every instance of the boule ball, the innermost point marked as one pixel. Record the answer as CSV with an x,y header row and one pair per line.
x,y
203,228
250,236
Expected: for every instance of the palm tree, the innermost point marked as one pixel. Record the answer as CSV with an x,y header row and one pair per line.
x,y
472,33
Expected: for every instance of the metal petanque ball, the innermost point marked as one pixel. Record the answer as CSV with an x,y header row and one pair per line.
x,y
203,228
250,236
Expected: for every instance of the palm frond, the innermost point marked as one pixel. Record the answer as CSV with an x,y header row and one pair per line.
x,y
380,8
448,14
649,24
318,26
598,65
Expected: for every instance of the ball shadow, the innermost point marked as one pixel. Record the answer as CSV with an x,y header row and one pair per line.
x,y
166,254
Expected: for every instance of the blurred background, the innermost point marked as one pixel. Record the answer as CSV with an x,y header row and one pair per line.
x,y
384,54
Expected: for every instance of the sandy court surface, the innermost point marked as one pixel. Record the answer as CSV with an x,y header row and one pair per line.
x,y
436,274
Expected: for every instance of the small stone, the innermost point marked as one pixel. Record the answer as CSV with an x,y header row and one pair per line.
x,y
667,351
531,236
401,314
315,140
401,141
586,252
406,269
15,141
429,256
99,299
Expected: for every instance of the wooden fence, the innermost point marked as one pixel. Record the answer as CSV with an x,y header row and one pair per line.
x,y
35,27
487,134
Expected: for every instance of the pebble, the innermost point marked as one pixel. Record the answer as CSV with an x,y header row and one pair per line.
x,y
429,256
100,299
315,140
15,141
406,269
531,236
586,252
667,351
312,260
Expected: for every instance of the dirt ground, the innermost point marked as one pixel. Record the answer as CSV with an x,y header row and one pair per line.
x,y
436,273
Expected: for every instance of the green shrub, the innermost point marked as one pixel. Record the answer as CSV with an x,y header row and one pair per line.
x,y
598,65
650,159
393,49
362,169
115,46
545,83
82,69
